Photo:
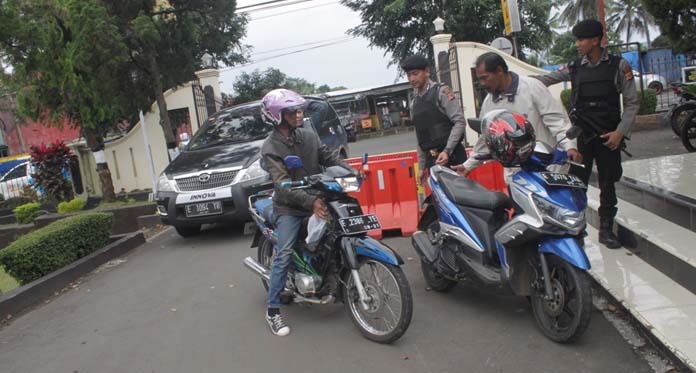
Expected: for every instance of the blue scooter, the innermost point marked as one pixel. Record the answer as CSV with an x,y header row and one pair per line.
x,y
466,235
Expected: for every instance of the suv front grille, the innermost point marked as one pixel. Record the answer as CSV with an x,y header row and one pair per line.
x,y
217,179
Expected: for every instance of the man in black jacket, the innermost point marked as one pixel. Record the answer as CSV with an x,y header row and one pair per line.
x,y
284,110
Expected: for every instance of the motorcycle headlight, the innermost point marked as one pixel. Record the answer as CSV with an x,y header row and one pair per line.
x,y
164,184
559,216
254,171
349,184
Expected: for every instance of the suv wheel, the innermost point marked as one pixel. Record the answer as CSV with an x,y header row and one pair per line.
x,y
188,231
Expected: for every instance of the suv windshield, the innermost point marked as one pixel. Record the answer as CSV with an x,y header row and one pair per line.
x,y
236,126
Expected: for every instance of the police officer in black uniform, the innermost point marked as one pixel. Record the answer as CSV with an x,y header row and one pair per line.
x,y
437,116
598,81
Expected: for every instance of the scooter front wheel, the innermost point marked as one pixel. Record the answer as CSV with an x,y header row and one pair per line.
x,y
390,304
566,316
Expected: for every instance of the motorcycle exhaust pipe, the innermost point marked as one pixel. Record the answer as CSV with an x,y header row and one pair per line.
x,y
254,266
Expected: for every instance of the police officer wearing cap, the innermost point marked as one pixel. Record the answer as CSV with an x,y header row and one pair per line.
x,y
437,116
598,81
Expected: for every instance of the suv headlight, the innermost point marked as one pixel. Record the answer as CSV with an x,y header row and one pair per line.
x,y
559,216
349,184
254,171
164,184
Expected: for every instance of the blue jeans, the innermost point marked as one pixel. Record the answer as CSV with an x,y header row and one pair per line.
x,y
287,227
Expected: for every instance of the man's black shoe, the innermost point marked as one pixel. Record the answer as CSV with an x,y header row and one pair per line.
x,y
609,239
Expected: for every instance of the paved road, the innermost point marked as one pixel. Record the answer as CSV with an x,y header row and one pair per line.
x,y
188,305
643,144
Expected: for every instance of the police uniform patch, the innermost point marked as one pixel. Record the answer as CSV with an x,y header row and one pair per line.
x,y
628,73
448,91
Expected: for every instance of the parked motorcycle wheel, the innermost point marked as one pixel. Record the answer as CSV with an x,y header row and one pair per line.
x,y
565,317
390,307
688,134
434,279
677,116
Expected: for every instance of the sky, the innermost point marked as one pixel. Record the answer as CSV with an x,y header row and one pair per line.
x,y
350,62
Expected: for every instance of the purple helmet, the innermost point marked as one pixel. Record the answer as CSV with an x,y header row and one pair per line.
x,y
275,102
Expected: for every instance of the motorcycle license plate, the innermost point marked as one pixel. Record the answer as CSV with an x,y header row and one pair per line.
x,y
359,224
204,209
565,180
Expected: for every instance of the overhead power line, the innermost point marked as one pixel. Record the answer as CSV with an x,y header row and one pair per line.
x,y
301,45
273,5
293,11
287,54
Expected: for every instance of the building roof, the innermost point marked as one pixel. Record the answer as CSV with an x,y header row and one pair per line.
x,y
376,90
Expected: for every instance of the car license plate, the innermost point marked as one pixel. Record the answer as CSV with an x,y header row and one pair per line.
x,y
566,180
204,209
359,224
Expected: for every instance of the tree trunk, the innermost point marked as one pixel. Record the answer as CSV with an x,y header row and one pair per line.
x,y
166,124
96,145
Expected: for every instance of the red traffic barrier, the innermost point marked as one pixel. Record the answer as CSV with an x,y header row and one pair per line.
x,y
390,191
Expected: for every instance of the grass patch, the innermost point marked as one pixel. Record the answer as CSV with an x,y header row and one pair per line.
x,y
108,205
7,282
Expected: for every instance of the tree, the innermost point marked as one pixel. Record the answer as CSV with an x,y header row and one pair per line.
x,y
166,40
578,10
403,27
630,16
253,86
661,41
564,49
63,54
676,20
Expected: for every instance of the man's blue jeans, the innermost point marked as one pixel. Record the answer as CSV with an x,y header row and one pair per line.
x,y
287,227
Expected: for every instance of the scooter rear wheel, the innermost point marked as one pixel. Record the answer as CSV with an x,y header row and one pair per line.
x,y
434,279
566,316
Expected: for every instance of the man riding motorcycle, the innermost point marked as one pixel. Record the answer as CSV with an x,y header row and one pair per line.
x,y
283,109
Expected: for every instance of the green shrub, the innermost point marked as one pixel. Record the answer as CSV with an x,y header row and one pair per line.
x,y
648,101
45,250
566,94
12,203
73,206
26,213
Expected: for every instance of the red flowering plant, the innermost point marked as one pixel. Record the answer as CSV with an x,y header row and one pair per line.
x,y
51,171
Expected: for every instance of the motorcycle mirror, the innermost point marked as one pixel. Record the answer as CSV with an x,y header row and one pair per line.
x,y
475,124
293,162
364,159
573,132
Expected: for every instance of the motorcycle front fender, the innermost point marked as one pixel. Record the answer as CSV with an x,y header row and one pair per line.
x,y
355,247
567,249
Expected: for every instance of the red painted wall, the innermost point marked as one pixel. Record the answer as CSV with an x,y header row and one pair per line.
x,y
33,134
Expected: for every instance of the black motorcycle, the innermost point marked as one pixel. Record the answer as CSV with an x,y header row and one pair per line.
x,y
678,114
345,264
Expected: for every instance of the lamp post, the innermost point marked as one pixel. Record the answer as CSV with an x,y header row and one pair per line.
x,y
439,24
207,60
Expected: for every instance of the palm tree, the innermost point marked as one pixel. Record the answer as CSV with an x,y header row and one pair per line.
x,y
577,10
630,16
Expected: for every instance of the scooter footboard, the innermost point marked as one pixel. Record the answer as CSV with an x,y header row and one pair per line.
x,y
567,249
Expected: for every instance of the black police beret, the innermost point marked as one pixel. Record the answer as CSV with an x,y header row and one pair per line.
x,y
588,28
415,62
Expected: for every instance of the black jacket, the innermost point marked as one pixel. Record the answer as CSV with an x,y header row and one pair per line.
x,y
305,144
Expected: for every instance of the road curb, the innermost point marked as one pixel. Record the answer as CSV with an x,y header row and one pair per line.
x,y
35,292
645,330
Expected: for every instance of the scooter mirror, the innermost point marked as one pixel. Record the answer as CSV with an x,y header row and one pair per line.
x,y
475,124
364,159
573,132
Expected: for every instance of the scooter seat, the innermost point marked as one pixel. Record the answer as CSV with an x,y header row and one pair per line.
x,y
467,192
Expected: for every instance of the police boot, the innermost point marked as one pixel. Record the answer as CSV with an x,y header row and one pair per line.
x,y
606,233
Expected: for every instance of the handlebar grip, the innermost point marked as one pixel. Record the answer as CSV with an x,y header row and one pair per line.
x,y
291,184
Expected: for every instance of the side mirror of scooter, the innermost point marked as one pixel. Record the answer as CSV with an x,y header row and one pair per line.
x,y
293,162
573,132
364,159
475,124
